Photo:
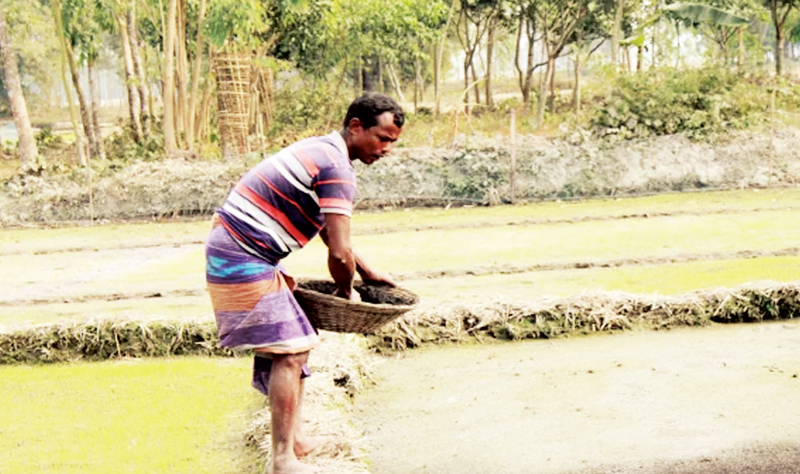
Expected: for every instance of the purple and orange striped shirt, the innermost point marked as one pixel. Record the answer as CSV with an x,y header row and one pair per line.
x,y
278,206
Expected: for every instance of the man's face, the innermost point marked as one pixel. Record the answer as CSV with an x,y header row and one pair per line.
x,y
371,144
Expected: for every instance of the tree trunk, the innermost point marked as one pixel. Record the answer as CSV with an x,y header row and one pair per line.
x,y
19,109
381,86
489,52
86,118
196,72
439,52
358,76
94,95
552,81
517,50
779,49
526,96
543,95
134,105
151,107
139,70
182,73
436,71
168,74
616,32
740,58
417,68
576,91
369,74
639,57
476,89
395,82
73,113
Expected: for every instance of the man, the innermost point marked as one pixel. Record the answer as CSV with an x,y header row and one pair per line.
x,y
277,207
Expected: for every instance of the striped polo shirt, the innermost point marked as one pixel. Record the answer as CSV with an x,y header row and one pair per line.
x,y
278,206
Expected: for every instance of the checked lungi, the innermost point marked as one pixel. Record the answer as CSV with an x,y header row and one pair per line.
x,y
254,305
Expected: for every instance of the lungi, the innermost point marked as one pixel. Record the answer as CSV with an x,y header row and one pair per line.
x,y
254,305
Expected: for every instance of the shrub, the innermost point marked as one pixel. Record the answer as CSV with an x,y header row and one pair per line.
x,y
121,148
696,102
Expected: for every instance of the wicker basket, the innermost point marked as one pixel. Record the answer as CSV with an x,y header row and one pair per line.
x,y
379,305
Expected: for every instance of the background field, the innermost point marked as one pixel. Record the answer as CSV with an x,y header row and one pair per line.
x,y
182,415
666,244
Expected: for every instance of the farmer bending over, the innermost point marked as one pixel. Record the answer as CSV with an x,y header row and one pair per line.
x,y
277,207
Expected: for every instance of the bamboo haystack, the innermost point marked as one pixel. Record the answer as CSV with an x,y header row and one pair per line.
x,y
233,104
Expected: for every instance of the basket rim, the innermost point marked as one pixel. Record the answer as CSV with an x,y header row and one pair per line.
x,y
341,302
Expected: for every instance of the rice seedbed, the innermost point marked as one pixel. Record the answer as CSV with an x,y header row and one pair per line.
x,y
132,416
667,279
101,236
72,274
135,234
409,252
663,204
165,308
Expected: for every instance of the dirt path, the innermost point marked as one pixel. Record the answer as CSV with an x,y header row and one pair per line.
x,y
721,399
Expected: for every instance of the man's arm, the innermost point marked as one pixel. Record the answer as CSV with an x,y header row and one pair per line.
x,y
341,258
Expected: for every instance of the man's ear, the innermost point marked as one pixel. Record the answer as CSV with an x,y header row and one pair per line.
x,y
355,123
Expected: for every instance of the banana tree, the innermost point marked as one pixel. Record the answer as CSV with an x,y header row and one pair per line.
x,y
693,13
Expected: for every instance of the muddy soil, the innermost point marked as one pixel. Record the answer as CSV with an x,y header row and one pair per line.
x,y
718,399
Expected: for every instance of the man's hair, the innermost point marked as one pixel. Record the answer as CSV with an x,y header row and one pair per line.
x,y
368,107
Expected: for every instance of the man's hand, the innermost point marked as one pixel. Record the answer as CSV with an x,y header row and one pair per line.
x,y
354,295
374,277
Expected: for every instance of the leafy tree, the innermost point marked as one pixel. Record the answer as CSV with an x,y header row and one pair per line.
x,y
779,12
79,33
19,109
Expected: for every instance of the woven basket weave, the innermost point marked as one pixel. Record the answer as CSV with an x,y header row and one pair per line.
x,y
378,306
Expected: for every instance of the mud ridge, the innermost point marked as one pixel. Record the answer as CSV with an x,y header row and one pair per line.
x,y
478,225
103,297
623,262
574,220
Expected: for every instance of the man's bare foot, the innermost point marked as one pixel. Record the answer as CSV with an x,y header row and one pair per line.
x,y
304,445
292,466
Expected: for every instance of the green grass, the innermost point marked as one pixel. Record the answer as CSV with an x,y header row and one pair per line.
x,y
589,241
454,246
173,308
669,279
169,233
140,416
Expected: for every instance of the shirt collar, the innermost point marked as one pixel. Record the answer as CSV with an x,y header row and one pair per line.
x,y
338,140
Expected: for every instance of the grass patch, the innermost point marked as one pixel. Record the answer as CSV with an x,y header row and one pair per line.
x,y
144,416
668,279
705,202
589,241
169,308
121,235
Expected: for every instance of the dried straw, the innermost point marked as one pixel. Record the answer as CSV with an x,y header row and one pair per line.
x,y
341,367
109,339
587,313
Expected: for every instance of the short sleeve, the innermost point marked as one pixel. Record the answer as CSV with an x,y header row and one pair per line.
x,y
335,187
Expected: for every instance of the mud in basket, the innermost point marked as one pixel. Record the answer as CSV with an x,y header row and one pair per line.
x,y
378,306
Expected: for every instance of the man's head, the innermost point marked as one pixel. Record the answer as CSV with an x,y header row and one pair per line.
x,y
373,122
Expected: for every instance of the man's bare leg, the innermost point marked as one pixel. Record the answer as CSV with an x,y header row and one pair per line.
x,y
303,444
284,398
